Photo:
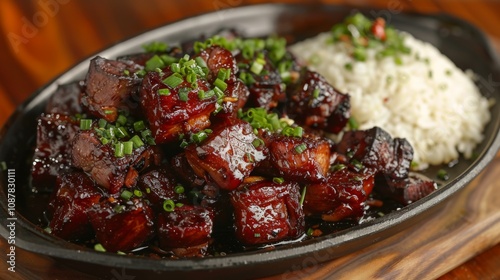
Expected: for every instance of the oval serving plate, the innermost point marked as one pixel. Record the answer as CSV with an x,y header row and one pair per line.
x,y
461,42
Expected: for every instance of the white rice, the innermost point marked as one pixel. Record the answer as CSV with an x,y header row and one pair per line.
x,y
427,100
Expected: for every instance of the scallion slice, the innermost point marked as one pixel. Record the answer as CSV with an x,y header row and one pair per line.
x,y
173,80
85,124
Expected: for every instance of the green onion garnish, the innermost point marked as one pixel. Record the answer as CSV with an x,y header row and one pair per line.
x,y
278,180
168,205
184,94
173,80
315,93
85,124
119,150
179,189
126,194
300,148
121,119
102,123
139,126
220,84
128,147
137,142
303,195
121,132
155,47
257,142
164,92
153,63
99,248
138,193
256,67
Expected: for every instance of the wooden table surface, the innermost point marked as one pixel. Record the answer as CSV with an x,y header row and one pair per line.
x,y
41,39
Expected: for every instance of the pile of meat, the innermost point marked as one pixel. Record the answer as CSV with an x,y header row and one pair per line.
x,y
167,148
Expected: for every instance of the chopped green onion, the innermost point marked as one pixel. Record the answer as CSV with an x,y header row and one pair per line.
x,y
119,208
256,235
119,150
256,67
220,84
155,47
200,62
357,164
109,112
173,80
128,147
184,94
348,66
310,232
126,72
337,167
168,205
278,180
315,93
99,248
126,194
104,140
137,142
353,124
224,74
153,63
179,189
148,190
85,124
442,175
257,142
164,92
121,132
139,126
121,119
303,195
178,204
102,123
138,193
300,148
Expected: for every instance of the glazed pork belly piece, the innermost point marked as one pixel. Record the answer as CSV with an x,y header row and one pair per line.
x,y
303,159
176,109
107,170
75,194
388,158
341,196
109,87
314,103
159,184
53,149
266,87
267,212
66,99
123,224
228,155
185,230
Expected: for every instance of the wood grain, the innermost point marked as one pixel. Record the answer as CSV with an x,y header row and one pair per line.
x,y
452,245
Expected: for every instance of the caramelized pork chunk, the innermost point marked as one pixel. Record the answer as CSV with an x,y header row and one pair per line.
x,y
342,195
175,110
107,170
109,87
53,149
388,158
66,99
267,212
159,184
186,230
313,102
75,195
302,159
122,225
228,155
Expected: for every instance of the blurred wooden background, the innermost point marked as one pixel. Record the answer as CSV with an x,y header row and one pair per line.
x,y
42,38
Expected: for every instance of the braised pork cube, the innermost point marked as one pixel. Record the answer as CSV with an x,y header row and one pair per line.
x,y
107,169
122,225
264,81
53,149
185,230
302,159
66,99
75,195
313,102
110,84
159,184
267,212
389,158
175,109
418,187
341,196
184,172
234,90
227,155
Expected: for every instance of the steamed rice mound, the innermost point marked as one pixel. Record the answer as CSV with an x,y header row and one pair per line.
x,y
424,97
